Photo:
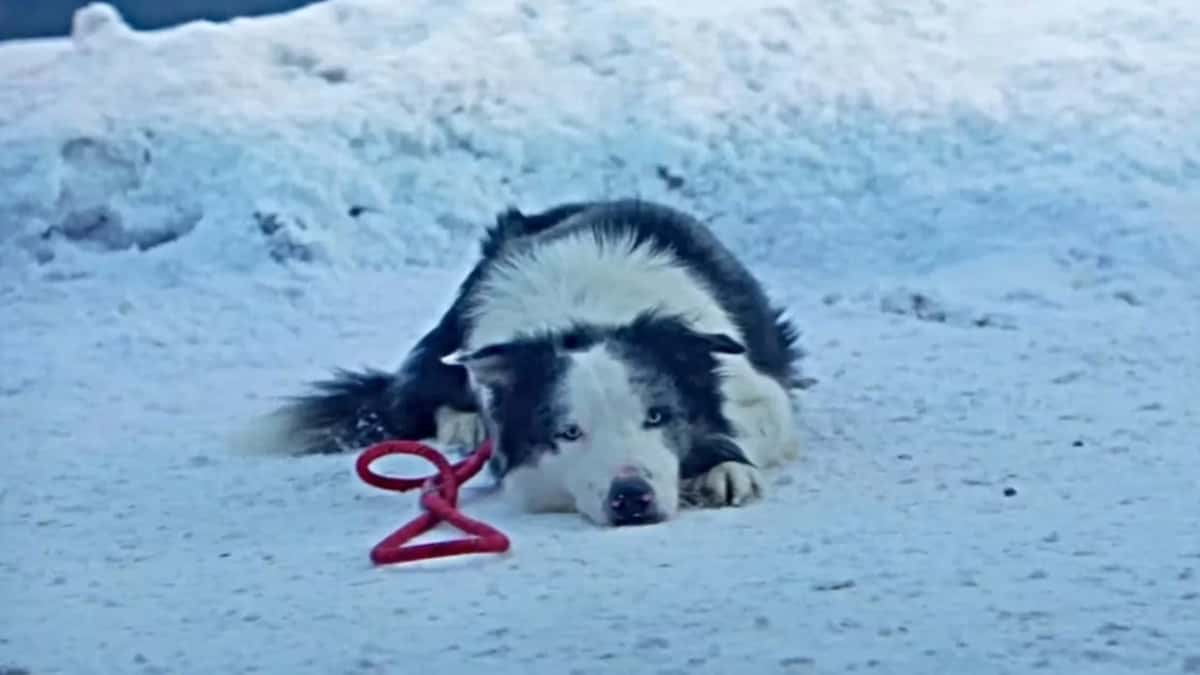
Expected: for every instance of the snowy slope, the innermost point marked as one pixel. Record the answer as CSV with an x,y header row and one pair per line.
x,y
982,215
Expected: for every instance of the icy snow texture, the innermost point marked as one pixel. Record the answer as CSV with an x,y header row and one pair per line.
x,y
983,216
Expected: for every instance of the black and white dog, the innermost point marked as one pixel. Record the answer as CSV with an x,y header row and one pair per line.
x,y
623,361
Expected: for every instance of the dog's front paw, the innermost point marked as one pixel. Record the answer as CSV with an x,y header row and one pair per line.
x,y
459,429
726,484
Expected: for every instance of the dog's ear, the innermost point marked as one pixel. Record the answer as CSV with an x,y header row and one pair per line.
x,y
494,365
655,326
490,365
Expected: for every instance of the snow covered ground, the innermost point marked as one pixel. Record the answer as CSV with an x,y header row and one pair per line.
x,y
983,216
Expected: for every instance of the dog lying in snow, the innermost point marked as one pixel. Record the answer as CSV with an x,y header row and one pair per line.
x,y
623,361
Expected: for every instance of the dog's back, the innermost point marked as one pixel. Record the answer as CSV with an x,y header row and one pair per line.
x,y
605,261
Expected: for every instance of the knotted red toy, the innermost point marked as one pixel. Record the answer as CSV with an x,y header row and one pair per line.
x,y
439,498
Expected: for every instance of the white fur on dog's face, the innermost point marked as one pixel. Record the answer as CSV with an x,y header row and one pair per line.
x,y
596,419
610,416
592,417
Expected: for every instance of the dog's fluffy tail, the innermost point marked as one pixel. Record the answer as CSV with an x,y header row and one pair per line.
x,y
344,413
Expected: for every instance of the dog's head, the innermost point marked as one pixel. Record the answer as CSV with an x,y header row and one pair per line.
x,y
604,421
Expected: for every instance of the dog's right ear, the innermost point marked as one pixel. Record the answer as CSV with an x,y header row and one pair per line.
x,y
492,365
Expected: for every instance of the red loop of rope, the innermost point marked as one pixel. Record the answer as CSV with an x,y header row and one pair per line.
x,y
439,498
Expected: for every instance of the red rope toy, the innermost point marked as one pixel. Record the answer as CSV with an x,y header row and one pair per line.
x,y
439,498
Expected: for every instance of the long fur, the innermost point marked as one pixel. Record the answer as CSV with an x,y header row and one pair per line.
x,y
596,311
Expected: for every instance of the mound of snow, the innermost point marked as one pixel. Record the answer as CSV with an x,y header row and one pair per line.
x,y
983,216
371,134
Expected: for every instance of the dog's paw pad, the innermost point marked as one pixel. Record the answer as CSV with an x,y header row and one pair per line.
x,y
456,428
728,484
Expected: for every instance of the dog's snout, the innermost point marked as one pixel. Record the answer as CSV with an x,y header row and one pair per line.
x,y
631,501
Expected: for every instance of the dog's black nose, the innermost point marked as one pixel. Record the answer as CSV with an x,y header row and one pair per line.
x,y
631,501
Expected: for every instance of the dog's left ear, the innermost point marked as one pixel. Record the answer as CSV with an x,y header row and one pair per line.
x,y
667,329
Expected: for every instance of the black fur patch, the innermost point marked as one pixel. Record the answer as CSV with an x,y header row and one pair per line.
x,y
351,409
709,452
512,224
658,343
524,405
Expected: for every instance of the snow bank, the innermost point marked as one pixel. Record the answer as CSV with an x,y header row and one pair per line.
x,y
372,134
982,215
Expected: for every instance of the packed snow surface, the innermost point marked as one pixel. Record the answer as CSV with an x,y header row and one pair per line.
x,y
984,216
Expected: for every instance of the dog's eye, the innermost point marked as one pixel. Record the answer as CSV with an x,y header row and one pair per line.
x,y
570,432
656,417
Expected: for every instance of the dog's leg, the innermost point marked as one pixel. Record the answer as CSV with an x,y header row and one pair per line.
x,y
716,472
459,429
762,415
434,400
726,484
